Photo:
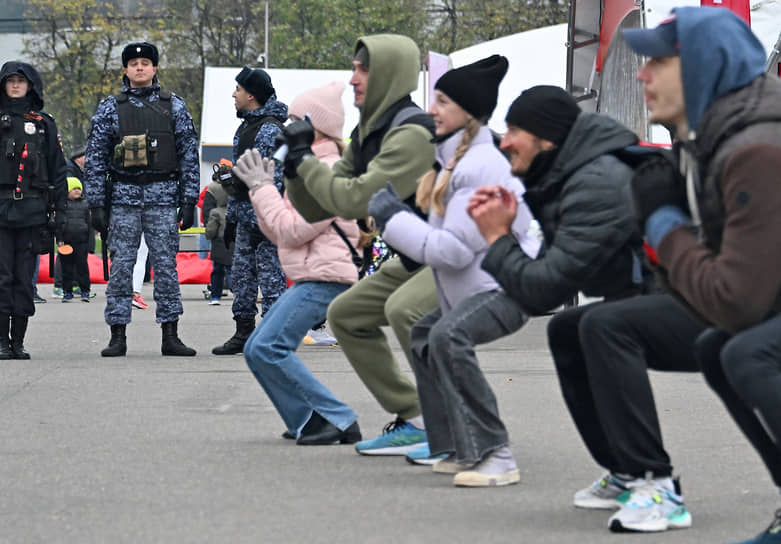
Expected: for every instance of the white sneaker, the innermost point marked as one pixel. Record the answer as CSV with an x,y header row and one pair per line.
x,y
319,337
448,465
652,507
497,469
607,493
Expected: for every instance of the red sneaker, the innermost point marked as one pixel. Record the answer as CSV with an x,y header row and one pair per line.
x,y
139,302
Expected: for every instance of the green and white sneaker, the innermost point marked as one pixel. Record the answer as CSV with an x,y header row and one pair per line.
x,y
652,507
607,493
398,438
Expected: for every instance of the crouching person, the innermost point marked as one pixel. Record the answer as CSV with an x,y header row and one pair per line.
x,y
316,258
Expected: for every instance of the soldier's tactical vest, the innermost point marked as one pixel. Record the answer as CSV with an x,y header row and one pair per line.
x,y
145,148
248,131
23,166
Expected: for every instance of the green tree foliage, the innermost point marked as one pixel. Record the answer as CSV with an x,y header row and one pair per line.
x,y
460,23
76,44
321,33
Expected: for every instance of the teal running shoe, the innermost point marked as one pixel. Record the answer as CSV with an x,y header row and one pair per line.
x,y
398,438
422,456
652,508
771,535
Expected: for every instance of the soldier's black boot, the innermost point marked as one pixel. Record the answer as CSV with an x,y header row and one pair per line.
x,y
117,345
5,343
235,343
171,343
18,330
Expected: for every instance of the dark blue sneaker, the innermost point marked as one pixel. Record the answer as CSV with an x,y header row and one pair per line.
x,y
85,296
398,438
771,535
67,296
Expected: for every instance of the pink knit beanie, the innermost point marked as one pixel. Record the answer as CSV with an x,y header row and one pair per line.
x,y
324,106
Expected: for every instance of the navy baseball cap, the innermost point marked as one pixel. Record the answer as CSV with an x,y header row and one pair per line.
x,y
661,41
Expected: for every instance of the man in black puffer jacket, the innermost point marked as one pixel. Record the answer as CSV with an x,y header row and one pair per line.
x,y
579,190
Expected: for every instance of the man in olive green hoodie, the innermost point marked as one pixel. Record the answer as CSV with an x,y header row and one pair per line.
x,y
392,142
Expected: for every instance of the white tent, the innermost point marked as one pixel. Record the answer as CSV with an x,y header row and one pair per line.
x,y
537,57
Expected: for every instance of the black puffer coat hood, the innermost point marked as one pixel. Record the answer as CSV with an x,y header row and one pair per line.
x,y
35,93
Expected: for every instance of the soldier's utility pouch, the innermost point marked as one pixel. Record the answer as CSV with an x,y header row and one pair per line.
x,y
132,151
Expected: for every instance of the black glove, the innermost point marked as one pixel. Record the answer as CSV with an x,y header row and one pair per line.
x,y
279,141
99,219
229,236
657,183
299,136
186,216
384,204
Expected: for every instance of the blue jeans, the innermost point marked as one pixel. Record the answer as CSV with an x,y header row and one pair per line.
x,y
220,273
459,407
270,353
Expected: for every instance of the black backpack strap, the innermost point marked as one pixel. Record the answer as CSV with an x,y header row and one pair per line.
x,y
357,260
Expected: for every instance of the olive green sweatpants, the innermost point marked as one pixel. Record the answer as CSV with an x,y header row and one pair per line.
x,y
391,296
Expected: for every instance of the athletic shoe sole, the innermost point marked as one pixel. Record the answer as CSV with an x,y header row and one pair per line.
x,y
394,450
595,503
428,461
471,478
654,523
449,467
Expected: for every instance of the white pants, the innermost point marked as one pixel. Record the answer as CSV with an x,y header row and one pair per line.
x,y
139,270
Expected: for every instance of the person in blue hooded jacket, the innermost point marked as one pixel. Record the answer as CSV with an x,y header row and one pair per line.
x,y
144,140
714,221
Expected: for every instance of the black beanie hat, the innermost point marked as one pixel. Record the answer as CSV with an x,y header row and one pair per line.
x,y
475,86
546,111
257,82
143,50
362,54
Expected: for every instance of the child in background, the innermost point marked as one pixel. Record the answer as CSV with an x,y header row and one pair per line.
x,y
459,407
139,271
73,227
215,206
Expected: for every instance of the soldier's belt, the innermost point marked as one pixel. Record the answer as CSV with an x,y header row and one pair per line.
x,y
11,193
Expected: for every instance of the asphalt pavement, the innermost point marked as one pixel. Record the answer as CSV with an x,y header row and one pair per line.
x,y
146,448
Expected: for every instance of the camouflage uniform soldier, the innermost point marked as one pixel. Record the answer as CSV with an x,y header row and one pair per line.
x,y
143,143
255,260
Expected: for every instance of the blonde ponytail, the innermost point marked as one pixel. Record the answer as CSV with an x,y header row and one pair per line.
x,y
428,192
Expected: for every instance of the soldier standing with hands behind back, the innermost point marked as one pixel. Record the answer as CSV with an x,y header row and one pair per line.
x,y
143,143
